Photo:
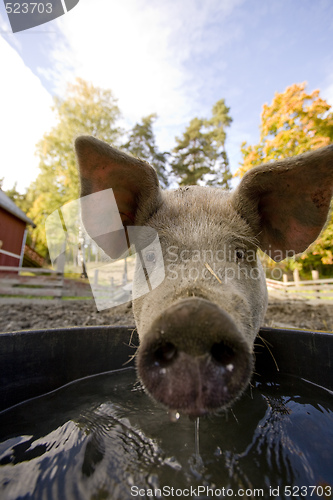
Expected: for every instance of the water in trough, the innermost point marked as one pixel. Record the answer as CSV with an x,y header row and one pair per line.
x,y
102,438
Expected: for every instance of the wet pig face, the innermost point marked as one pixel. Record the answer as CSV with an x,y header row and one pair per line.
x,y
196,353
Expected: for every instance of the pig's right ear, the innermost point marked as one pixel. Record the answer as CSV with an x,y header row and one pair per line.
x,y
135,188
286,203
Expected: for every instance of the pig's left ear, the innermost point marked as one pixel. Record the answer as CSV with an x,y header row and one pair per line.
x,y
134,182
286,203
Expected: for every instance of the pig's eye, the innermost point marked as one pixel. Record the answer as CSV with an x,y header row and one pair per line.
x,y
240,254
150,257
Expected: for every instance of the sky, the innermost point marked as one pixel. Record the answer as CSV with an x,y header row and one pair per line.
x,y
175,58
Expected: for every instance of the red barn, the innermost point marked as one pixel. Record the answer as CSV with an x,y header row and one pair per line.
x,y
13,232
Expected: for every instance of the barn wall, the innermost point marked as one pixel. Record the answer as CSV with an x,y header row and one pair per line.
x,y
11,235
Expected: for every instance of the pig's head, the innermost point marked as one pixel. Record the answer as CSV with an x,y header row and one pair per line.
x,y
197,328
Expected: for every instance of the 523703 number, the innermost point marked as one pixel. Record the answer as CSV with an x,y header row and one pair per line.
x,y
308,491
28,8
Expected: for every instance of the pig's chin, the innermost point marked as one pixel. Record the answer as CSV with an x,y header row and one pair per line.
x,y
194,360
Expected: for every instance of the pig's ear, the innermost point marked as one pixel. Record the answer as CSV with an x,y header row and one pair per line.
x,y
287,202
134,184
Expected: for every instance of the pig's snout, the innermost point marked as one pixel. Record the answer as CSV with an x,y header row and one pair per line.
x,y
194,359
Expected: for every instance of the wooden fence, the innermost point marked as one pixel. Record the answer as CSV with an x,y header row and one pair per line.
x,y
41,282
108,291
30,281
317,291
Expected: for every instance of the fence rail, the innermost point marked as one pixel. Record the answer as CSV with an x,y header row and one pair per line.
x,y
40,282
315,291
35,270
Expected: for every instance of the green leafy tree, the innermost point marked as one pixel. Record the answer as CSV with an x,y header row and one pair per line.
x,y
217,124
24,201
193,154
142,144
200,154
84,109
19,199
320,254
295,122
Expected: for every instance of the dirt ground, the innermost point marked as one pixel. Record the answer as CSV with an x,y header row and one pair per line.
x,y
20,314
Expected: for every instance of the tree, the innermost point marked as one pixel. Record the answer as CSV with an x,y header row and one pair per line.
x,y
142,144
200,154
19,199
320,255
294,123
85,109
217,124
193,154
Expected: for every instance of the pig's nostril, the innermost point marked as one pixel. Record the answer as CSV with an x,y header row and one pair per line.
x,y
165,353
222,353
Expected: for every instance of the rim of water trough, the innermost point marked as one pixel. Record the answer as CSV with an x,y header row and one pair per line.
x,y
34,362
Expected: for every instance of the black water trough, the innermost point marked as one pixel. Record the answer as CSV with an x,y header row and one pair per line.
x,y
100,436
35,362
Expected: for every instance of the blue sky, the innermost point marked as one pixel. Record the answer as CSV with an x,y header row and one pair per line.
x,y
175,58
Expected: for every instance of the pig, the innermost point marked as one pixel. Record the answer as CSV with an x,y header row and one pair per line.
x,y
197,328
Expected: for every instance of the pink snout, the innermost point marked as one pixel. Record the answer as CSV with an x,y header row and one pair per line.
x,y
193,359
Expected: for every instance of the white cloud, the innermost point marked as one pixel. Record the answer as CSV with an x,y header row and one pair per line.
x,y
5,28
172,57
126,49
25,117
142,50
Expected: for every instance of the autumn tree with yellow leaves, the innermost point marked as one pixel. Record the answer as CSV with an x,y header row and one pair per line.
x,y
295,122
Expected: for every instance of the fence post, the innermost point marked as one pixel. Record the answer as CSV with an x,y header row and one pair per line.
x,y
23,247
315,276
296,276
125,272
61,260
285,281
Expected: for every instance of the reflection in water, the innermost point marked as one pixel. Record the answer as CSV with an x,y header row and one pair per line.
x,y
103,438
